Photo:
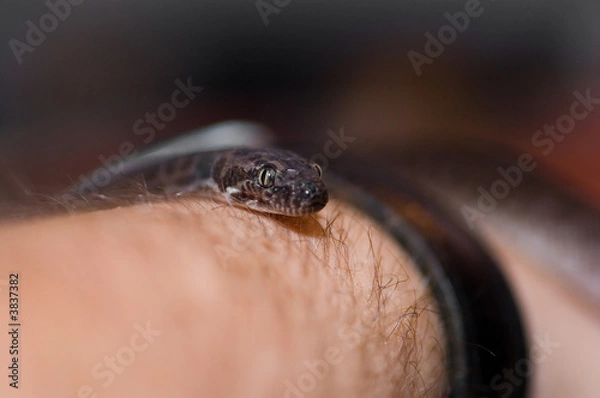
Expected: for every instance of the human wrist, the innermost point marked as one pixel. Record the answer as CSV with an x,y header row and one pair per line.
x,y
243,300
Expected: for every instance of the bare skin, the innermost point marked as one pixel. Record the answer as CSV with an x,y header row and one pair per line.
x,y
563,329
190,298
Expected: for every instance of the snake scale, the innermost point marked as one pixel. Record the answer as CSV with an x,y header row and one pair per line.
x,y
272,181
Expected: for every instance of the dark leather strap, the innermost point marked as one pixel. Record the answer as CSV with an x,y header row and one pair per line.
x,y
484,333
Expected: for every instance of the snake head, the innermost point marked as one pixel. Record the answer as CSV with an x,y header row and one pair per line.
x,y
271,181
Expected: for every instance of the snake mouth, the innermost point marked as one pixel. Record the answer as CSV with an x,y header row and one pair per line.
x,y
315,204
310,197
305,207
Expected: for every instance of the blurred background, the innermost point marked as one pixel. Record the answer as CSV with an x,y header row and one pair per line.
x,y
85,82
81,79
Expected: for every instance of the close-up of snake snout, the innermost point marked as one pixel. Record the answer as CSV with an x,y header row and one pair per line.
x,y
271,180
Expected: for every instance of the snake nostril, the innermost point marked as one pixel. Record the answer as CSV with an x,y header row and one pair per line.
x,y
308,189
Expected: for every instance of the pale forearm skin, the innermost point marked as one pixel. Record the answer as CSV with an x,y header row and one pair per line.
x,y
191,298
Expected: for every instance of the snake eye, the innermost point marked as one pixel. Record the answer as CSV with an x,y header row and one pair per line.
x,y
319,169
266,177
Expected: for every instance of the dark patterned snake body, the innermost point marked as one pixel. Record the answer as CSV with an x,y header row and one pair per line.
x,y
267,180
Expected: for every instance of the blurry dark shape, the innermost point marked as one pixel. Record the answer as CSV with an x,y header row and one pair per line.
x,y
77,95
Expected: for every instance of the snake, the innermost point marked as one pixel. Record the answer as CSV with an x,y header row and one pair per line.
x,y
268,180
277,181
282,182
